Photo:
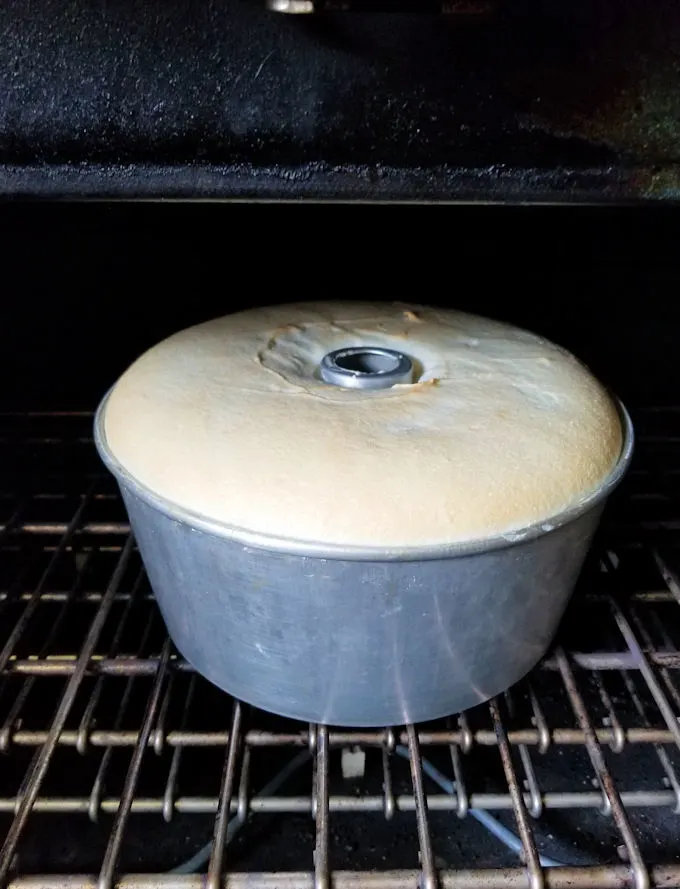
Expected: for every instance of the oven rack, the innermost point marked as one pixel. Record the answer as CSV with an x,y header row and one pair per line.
x,y
102,723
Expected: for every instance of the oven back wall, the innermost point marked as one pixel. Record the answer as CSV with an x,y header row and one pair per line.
x,y
87,289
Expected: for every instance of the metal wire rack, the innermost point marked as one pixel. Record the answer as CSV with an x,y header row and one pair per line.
x,y
118,761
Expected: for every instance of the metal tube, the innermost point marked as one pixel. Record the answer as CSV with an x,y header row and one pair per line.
x,y
183,737
366,367
321,866
614,877
206,805
461,795
215,865
388,788
429,874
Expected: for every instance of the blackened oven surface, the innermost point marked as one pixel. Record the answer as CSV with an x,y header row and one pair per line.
x,y
538,99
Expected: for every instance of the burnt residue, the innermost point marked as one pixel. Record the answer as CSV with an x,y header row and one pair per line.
x,y
577,98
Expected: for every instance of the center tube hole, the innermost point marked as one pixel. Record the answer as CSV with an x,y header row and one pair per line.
x,y
366,367
367,362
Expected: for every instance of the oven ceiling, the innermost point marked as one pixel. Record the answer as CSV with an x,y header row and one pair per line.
x,y
534,100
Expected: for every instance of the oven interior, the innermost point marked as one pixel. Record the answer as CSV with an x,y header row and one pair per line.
x,y
119,765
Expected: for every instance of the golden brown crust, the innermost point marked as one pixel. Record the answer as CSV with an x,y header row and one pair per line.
x,y
229,419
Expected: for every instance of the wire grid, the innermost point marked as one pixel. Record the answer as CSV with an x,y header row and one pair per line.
x,y
87,676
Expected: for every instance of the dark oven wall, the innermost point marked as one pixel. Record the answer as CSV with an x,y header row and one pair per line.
x,y
89,288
